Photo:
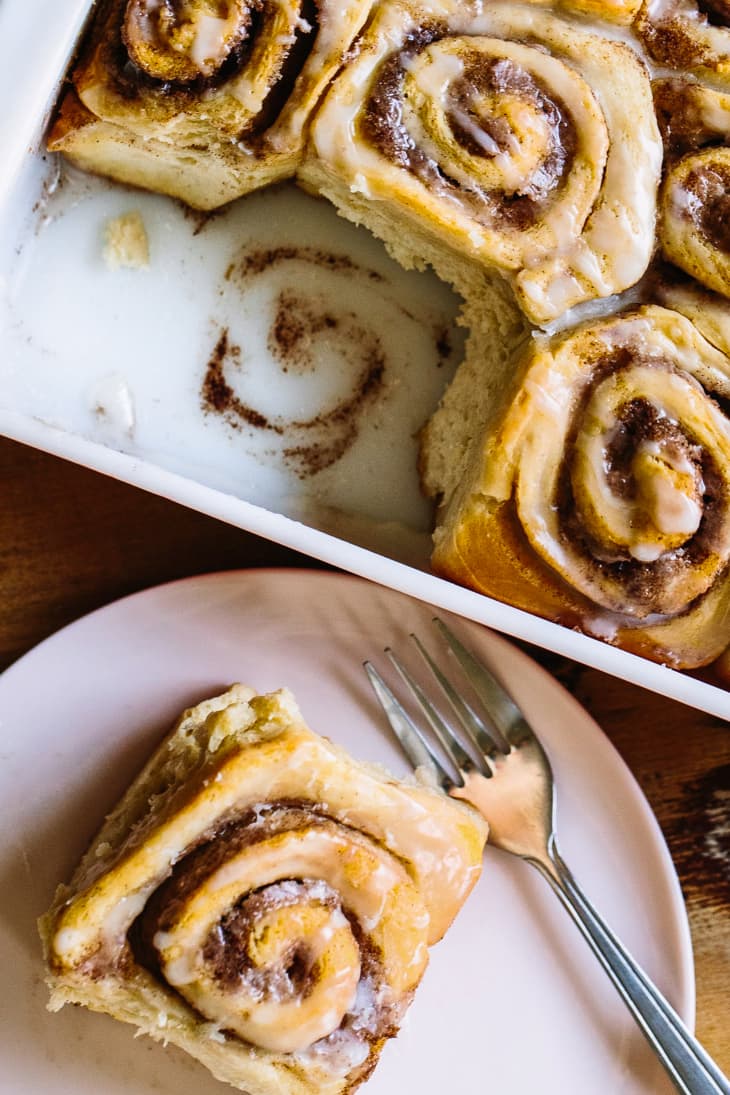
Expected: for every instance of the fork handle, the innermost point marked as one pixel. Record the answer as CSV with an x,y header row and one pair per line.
x,y
690,1068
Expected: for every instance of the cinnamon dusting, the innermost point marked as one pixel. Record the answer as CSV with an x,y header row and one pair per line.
x,y
302,325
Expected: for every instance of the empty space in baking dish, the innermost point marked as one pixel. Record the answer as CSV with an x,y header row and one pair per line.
x,y
271,366
271,350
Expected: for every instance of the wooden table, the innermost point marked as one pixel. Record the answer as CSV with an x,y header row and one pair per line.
x,y
71,541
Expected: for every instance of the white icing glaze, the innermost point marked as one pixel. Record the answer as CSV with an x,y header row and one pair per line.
x,y
121,917
673,510
209,47
477,134
715,113
264,1006
279,1018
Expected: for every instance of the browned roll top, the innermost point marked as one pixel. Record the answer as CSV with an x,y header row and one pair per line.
x,y
618,463
694,226
707,189
693,35
185,41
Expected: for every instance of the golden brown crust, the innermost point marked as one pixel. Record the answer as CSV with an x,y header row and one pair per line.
x,y
492,558
694,207
203,179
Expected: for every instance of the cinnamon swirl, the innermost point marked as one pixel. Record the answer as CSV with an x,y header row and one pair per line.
x,y
496,138
261,900
688,35
202,99
599,492
694,227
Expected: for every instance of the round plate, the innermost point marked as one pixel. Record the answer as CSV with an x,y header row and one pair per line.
x,y
512,1001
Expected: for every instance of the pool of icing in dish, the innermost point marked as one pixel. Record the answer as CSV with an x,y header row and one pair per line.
x,y
271,350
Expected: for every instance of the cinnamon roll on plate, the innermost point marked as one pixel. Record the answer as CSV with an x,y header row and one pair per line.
x,y
263,901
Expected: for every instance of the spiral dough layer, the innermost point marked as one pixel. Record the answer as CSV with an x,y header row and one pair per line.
x,y
607,486
275,907
507,134
690,35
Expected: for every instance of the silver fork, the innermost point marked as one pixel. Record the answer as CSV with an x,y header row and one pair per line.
x,y
496,762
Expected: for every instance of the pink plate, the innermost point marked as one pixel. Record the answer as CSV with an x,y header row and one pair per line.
x,y
512,1001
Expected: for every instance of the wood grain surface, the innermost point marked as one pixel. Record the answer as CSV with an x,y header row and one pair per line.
x,y
72,540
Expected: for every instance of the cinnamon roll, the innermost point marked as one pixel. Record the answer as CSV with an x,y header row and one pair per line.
x,y
262,900
598,493
202,99
694,226
496,137
688,35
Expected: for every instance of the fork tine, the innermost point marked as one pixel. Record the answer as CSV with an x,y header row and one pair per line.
x,y
413,742
451,747
510,724
473,726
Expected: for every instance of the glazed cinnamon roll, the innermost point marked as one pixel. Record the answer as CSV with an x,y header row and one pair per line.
x,y
262,900
694,226
496,137
202,99
599,492
688,35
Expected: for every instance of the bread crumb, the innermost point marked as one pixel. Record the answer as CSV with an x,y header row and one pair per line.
x,y
125,242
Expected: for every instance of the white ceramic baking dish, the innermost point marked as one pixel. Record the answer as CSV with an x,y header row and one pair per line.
x,y
121,369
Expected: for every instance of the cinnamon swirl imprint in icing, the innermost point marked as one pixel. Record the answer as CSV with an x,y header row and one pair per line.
x,y
274,904
304,367
167,92
515,138
606,487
